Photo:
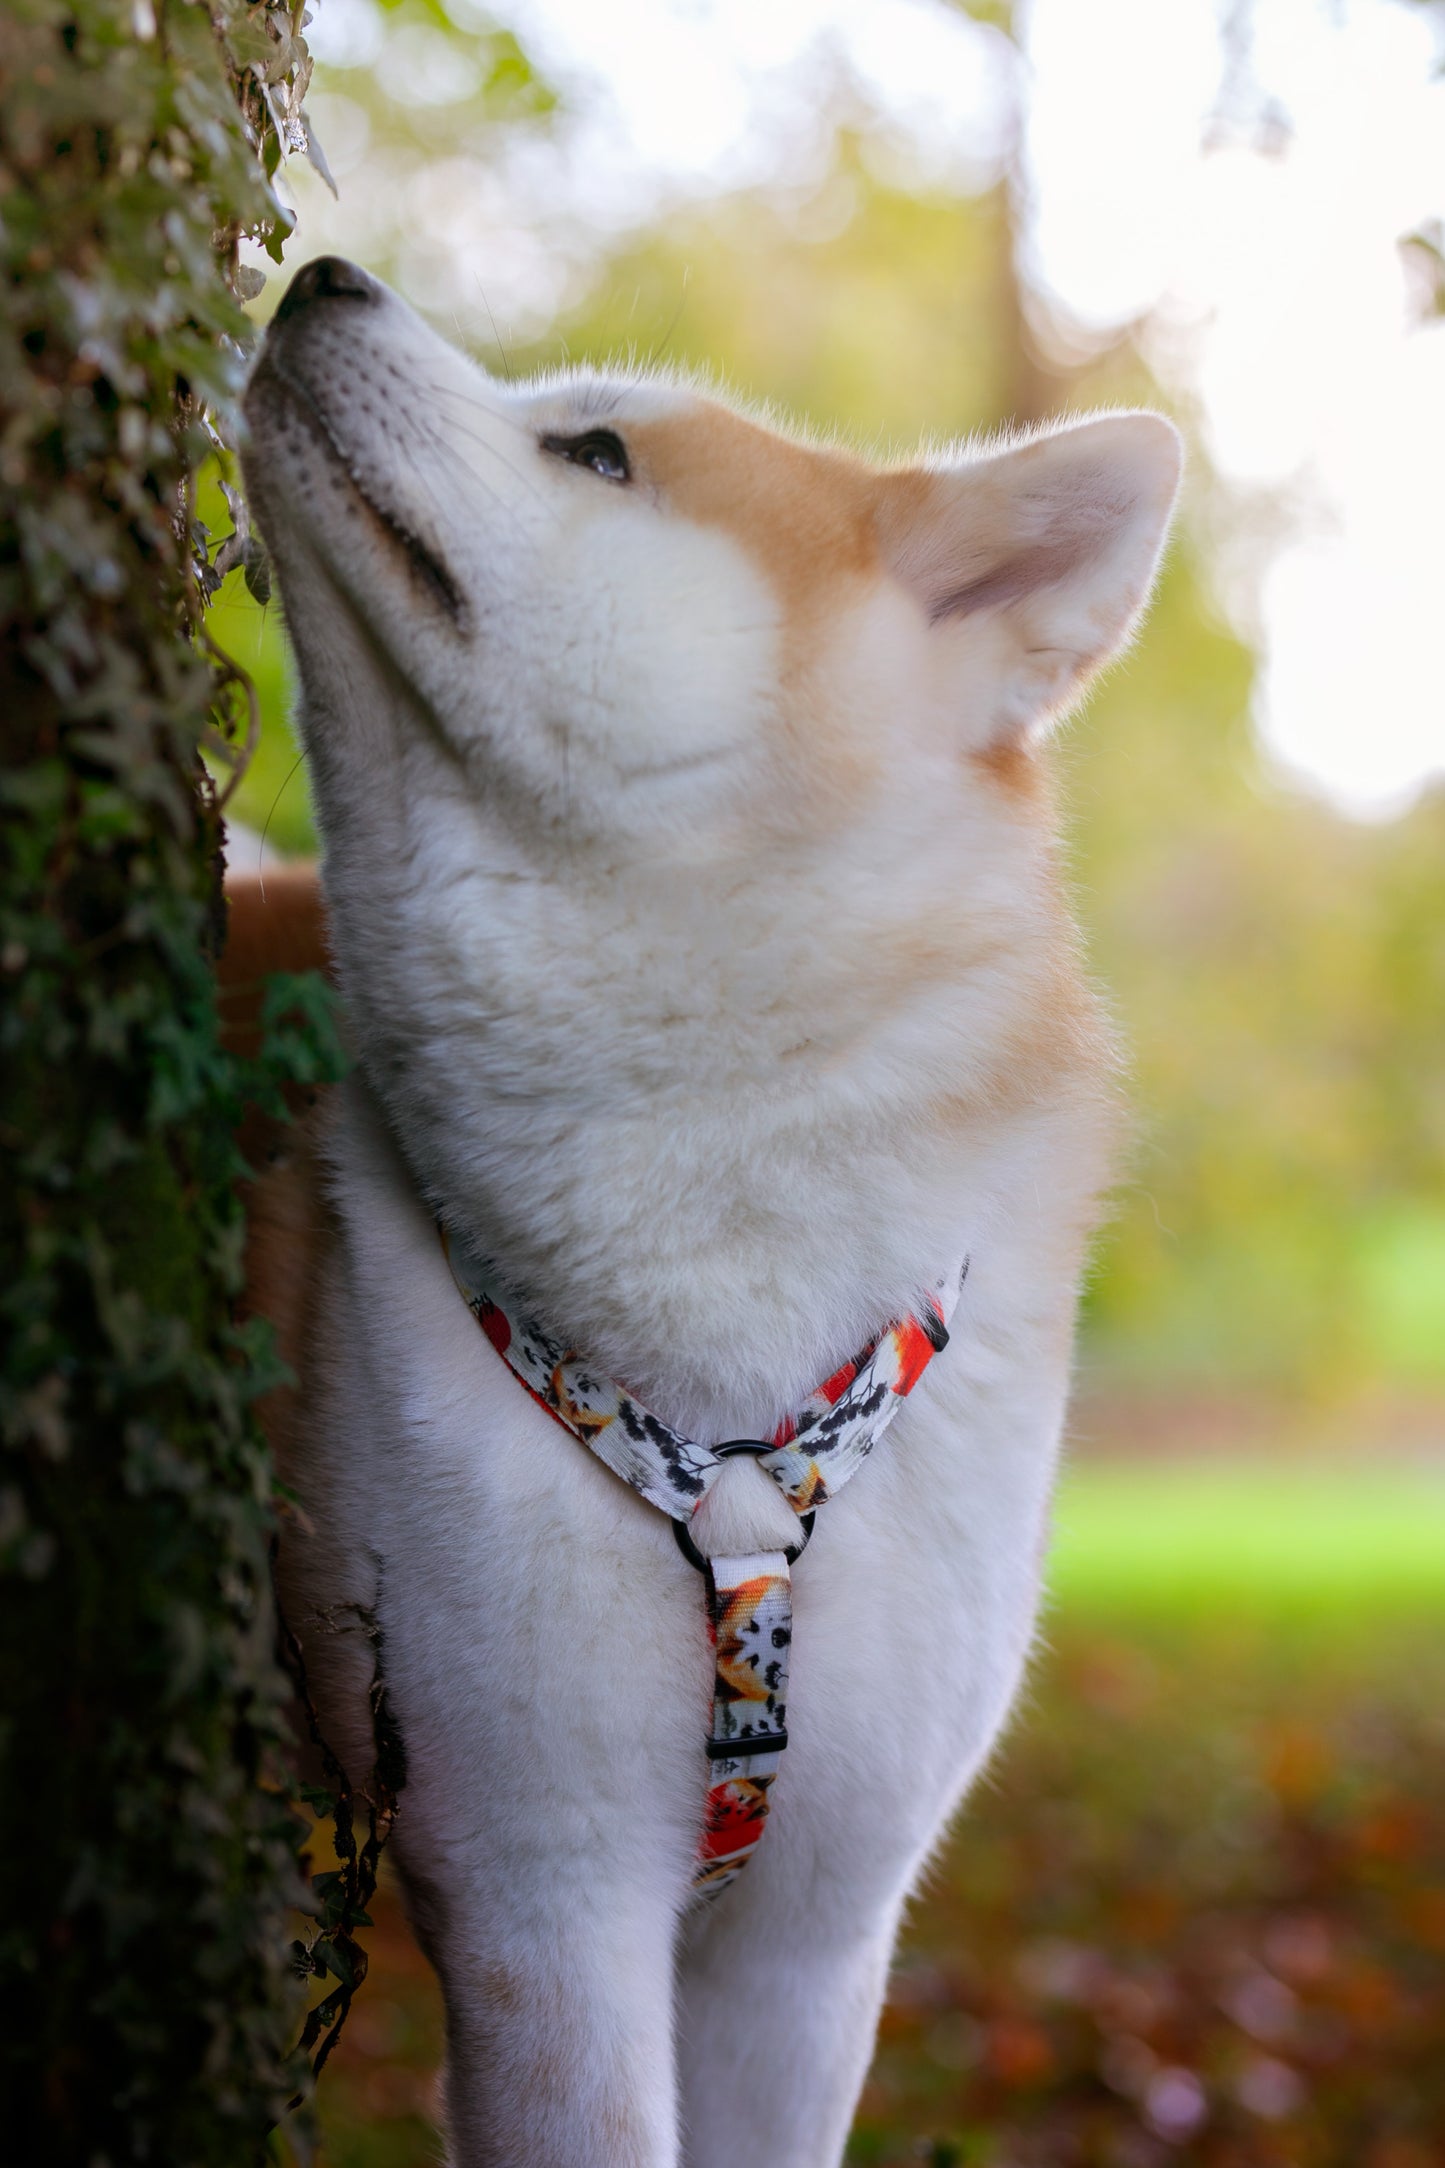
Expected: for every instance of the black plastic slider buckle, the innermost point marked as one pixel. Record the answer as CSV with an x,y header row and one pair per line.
x,y
757,1447
744,1745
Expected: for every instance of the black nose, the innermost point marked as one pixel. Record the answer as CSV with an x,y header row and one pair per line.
x,y
327,278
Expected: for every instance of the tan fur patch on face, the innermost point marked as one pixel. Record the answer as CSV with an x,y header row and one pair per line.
x,y
806,516
817,523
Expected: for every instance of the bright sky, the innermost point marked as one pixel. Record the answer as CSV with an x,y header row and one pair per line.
x,y
1279,302
1282,299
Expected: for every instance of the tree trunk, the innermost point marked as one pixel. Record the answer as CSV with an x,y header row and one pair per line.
x,y
147,1853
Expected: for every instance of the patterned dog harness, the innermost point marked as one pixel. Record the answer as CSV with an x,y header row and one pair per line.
x,y
809,1456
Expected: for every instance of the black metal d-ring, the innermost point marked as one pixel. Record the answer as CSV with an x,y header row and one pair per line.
x,y
728,1451
694,1556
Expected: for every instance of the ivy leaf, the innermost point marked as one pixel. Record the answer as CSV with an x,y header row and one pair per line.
x,y
325,1953
256,570
281,232
317,155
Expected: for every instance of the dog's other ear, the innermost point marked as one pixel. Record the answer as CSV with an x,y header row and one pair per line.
x,y
1032,564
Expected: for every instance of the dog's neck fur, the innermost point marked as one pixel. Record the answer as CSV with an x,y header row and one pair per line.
x,y
720,1228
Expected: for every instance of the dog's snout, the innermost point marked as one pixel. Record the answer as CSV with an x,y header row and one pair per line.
x,y
327,278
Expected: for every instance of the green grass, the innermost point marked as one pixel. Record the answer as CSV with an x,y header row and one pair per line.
x,y
1317,1542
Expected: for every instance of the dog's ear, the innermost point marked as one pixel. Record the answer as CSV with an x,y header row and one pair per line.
x,y
1032,564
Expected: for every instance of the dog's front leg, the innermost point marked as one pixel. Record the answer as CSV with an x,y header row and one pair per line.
x,y
779,2007
545,1841
558,2017
546,1668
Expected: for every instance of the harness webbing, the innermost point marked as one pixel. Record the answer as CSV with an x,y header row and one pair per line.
x,y
809,1456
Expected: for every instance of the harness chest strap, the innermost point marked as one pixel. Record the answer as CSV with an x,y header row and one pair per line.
x,y
749,1599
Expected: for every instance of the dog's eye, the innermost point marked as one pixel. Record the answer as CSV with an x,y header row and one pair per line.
x,y
598,449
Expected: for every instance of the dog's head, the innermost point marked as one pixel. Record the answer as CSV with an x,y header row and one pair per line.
x,y
655,749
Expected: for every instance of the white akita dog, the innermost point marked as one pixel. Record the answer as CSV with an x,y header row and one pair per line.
x,y
693,891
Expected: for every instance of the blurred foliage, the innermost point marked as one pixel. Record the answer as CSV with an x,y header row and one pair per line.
x,y
274,794
1196,1915
417,105
1277,967
866,307
148,1850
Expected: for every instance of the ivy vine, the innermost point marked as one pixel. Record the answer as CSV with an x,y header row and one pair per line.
x,y
148,1842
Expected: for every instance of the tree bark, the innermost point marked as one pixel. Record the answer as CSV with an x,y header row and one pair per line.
x,y
147,1850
